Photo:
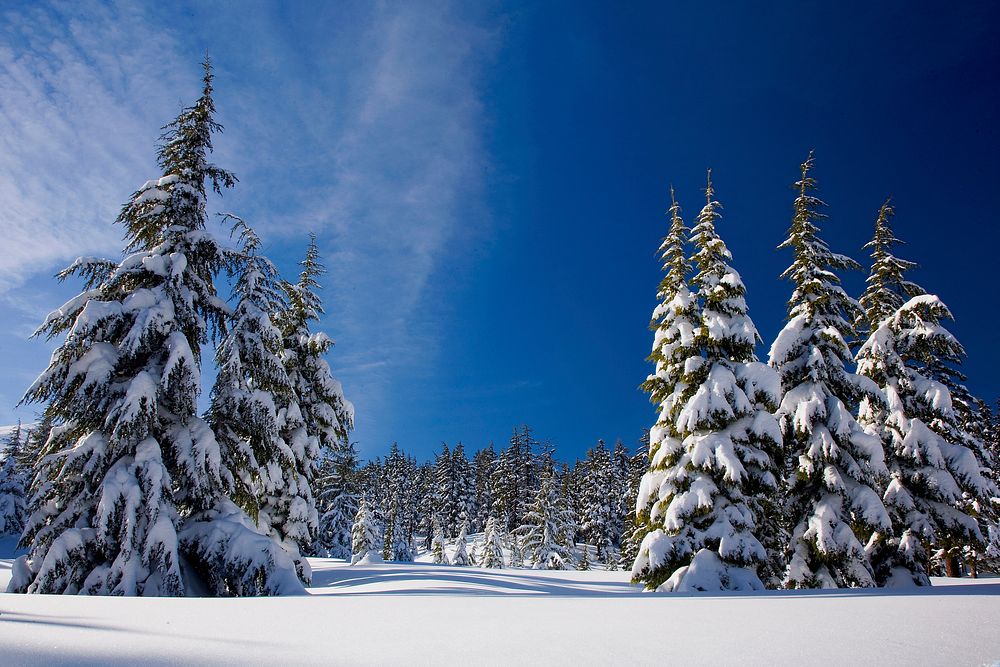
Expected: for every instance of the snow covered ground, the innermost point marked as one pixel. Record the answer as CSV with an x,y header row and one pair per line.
x,y
432,614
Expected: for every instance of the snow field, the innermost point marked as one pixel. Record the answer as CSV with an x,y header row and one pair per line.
x,y
419,613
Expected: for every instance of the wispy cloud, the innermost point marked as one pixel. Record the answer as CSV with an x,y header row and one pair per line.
x,y
368,132
379,150
83,86
409,160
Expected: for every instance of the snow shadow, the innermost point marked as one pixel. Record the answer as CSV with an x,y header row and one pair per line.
x,y
77,657
57,622
450,580
443,580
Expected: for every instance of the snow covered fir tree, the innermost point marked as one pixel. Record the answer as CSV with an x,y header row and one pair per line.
x,y
135,492
250,376
933,473
460,554
549,527
336,501
492,555
366,535
715,443
13,484
438,544
836,466
313,420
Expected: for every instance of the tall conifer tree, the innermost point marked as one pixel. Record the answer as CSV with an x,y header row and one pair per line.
x,y
599,501
548,527
337,501
673,323
492,545
314,420
251,377
721,444
837,466
133,478
13,485
483,465
366,534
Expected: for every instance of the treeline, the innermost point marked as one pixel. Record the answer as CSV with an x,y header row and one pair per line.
x,y
532,508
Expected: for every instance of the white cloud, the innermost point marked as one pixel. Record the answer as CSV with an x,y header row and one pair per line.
x,y
408,156
85,88
370,135
410,159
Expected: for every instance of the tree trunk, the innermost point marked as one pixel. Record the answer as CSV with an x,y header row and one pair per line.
x,y
951,568
973,568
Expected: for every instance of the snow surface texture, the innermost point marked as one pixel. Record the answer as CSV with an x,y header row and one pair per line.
x,y
502,617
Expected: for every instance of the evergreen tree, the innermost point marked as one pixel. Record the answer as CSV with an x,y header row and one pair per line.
x,y
366,534
461,555
483,465
371,489
464,487
437,545
929,472
426,503
399,505
599,501
250,374
990,419
584,563
548,526
515,478
132,478
33,443
13,486
836,465
673,324
516,551
622,504
446,504
572,488
991,552
985,426
314,420
503,489
337,501
967,429
636,518
492,555
721,444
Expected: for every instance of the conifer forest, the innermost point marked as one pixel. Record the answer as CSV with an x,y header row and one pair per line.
x,y
192,442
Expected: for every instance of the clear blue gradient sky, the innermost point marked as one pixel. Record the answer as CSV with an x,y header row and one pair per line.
x,y
488,180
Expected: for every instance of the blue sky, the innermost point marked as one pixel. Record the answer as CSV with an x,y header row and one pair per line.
x,y
488,180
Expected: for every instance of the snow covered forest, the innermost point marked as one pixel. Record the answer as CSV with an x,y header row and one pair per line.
x,y
845,454
852,457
